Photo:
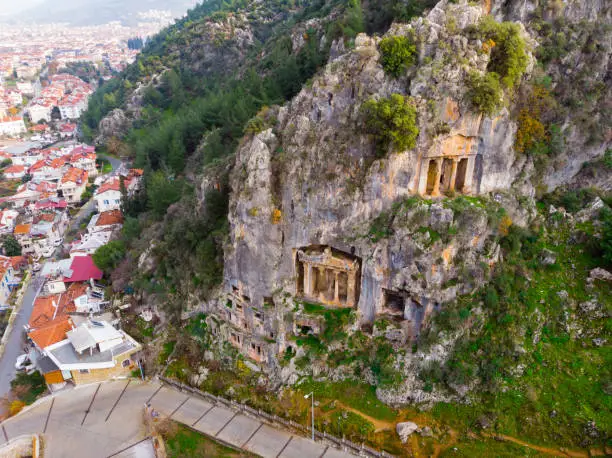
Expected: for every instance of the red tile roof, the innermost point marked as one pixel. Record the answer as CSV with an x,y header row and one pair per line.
x,y
22,229
52,333
14,169
109,218
83,269
75,175
112,185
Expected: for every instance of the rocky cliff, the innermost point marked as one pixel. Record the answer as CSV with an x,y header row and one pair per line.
x,y
318,172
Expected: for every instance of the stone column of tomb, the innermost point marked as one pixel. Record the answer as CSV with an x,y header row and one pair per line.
x,y
453,174
307,277
337,288
350,293
436,189
469,174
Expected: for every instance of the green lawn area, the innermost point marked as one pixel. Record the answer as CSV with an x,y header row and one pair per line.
x,y
105,163
489,448
359,396
185,443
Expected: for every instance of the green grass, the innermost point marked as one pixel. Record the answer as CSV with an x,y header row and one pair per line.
x,y
357,395
186,443
106,165
167,350
566,377
489,448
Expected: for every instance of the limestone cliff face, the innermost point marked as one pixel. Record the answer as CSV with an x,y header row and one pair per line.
x,y
313,179
583,30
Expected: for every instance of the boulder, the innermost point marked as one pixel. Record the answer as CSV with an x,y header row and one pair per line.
x,y
548,257
599,274
405,429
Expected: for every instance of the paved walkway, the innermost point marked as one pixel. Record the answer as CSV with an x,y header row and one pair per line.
x,y
100,420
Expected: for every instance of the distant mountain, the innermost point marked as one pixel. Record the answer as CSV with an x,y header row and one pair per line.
x,y
93,12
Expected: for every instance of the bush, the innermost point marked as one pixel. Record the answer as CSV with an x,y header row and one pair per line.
x,y
28,387
11,246
508,55
393,122
606,238
607,159
397,54
485,92
16,407
531,135
108,256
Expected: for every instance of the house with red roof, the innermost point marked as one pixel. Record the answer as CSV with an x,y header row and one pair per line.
x,y
108,196
105,222
84,157
73,184
67,130
14,172
82,269
47,169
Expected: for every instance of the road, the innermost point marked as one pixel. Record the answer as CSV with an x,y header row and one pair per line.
x,y
16,341
104,419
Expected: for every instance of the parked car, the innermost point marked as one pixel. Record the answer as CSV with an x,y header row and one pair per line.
x,y
36,267
58,242
48,251
22,362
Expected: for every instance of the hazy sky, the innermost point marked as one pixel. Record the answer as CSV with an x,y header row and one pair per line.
x,y
11,6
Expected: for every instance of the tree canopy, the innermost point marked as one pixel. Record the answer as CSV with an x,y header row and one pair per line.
x,y
397,54
392,122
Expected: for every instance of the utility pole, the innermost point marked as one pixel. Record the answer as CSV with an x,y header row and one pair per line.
x,y
311,396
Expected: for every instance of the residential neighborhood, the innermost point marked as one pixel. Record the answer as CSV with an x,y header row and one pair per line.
x,y
65,204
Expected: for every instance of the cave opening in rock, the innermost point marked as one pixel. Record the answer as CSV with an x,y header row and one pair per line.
x,y
329,276
305,330
432,176
461,175
395,303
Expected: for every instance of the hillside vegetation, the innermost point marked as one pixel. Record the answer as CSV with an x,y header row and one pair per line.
x,y
267,126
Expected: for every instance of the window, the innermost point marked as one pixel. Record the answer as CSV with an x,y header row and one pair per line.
x,y
125,362
106,202
83,371
117,201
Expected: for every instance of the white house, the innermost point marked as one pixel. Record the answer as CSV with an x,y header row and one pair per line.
x,y
8,218
14,172
12,126
108,196
40,111
90,243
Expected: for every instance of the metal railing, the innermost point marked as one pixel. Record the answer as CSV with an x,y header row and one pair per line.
x,y
341,443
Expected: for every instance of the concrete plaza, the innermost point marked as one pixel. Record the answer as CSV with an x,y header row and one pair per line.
x,y
106,419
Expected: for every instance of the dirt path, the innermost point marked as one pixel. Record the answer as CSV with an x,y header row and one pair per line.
x,y
379,425
547,450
